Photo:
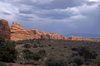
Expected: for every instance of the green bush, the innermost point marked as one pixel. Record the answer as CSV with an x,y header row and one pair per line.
x,y
56,61
2,40
38,42
8,53
39,55
26,51
28,54
42,52
35,56
85,52
78,60
49,45
74,49
27,46
65,47
52,48
2,64
35,46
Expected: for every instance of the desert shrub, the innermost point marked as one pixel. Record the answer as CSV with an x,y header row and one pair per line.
x,y
28,54
35,46
39,55
8,53
61,55
27,46
85,52
52,48
2,64
49,45
75,54
26,51
35,56
2,40
56,61
65,47
74,49
78,60
42,52
41,45
38,42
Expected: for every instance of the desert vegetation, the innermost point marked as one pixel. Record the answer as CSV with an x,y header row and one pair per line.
x,y
49,52
8,53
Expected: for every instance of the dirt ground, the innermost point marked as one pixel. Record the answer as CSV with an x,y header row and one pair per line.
x,y
85,65
16,64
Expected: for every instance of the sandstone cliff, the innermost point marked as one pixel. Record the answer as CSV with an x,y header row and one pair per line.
x,y
76,38
4,29
18,33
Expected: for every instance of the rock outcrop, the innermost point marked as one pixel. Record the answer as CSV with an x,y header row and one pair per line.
x,y
4,29
18,33
76,38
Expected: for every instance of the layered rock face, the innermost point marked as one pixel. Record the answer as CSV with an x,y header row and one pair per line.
x,y
4,29
18,33
15,32
76,38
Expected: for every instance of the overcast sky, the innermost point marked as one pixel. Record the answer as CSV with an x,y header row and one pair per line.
x,y
56,16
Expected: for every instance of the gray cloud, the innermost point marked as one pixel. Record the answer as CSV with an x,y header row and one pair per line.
x,y
6,13
52,4
62,4
58,16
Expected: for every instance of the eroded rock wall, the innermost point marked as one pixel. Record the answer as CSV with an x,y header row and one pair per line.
x,y
4,29
18,33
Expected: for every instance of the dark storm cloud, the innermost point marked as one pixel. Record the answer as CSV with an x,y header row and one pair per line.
x,y
25,12
53,4
61,4
91,3
55,14
58,16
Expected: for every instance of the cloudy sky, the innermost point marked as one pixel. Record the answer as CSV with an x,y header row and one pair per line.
x,y
66,17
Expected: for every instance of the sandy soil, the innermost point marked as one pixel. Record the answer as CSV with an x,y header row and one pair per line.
x,y
85,65
16,64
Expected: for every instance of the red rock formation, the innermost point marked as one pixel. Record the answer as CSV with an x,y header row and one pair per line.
x,y
18,33
76,38
4,29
